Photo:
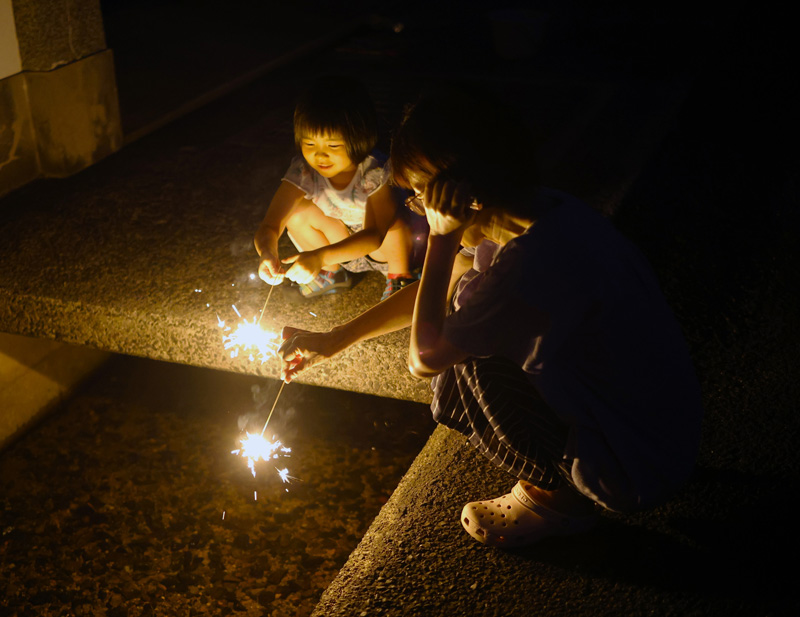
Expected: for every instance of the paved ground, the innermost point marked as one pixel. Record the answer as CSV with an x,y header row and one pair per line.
x,y
715,210
128,500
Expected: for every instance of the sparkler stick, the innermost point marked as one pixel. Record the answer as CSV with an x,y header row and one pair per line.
x,y
271,287
257,447
283,383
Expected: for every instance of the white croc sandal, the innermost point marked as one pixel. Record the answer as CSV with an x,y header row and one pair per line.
x,y
515,519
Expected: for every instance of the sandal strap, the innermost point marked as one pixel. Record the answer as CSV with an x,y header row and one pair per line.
x,y
565,520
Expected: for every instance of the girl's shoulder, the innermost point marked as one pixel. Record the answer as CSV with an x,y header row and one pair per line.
x,y
303,177
375,171
298,168
376,163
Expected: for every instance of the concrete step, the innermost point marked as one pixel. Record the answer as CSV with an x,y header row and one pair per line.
x,y
36,376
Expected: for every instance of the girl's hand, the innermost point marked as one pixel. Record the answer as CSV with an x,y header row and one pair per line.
x,y
305,266
448,206
302,349
270,269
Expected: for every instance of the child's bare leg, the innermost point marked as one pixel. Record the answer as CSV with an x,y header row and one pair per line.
x,y
396,248
310,228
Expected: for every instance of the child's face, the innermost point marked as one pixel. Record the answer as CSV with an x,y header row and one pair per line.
x,y
327,154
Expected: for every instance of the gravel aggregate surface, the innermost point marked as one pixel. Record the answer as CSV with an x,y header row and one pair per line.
x,y
128,500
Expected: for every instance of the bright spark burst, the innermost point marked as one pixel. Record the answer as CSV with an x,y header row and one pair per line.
x,y
256,447
250,337
283,474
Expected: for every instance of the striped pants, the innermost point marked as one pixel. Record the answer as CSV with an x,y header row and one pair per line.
x,y
492,403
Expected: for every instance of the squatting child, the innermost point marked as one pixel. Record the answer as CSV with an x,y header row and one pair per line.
x,y
334,200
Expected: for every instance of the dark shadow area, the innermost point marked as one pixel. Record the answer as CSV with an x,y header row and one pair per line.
x,y
169,53
725,556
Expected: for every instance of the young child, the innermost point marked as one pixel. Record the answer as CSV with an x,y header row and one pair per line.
x,y
557,357
334,199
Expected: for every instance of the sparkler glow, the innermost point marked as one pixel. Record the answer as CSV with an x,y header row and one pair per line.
x,y
250,337
255,447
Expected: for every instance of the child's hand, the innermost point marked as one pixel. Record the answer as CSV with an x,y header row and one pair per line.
x,y
270,269
449,207
305,266
301,350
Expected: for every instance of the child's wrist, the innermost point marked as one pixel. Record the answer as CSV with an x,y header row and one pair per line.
x,y
338,339
445,242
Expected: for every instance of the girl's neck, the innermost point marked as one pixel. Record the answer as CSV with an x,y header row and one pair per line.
x,y
343,179
496,226
501,227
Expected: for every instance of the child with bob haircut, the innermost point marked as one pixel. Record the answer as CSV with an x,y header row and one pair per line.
x,y
547,337
334,200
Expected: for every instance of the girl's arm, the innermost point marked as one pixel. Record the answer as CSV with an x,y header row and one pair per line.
x,y
302,349
448,216
380,214
429,352
269,231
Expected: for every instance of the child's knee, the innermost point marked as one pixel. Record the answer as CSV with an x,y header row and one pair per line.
x,y
302,210
302,215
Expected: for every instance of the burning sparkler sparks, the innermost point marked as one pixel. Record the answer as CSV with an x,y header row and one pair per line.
x,y
250,337
256,447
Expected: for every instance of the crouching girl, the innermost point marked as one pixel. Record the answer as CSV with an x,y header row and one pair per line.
x,y
548,341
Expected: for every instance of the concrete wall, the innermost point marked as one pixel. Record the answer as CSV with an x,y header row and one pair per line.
x,y
58,114
35,376
58,98
10,62
52,34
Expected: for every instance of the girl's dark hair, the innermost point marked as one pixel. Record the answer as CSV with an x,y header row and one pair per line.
x,y
336,104
469,136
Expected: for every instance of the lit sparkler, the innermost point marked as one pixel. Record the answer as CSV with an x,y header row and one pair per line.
x,y
250,337
256,447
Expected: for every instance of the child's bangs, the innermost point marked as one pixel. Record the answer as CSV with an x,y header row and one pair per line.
x,y
338,105
320,125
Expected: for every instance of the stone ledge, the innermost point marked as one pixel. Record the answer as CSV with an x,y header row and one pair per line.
x,y
146,251
35,376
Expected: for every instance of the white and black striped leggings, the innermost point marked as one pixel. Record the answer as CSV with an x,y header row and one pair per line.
x,y
491,402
